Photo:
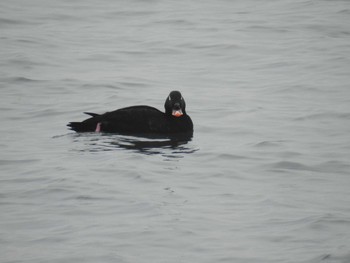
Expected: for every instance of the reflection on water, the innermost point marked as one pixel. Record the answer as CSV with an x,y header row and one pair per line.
x,y
174,146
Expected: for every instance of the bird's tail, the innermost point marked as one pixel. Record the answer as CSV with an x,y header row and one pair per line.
x,y
89,125
81,127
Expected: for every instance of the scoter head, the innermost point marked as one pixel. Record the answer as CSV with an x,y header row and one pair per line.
x,y
175,104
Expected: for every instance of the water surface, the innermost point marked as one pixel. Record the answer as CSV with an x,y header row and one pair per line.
x,y
265,177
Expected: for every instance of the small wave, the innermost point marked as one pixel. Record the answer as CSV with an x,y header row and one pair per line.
x,y
227,156
331,218
324,115
175,22
170,147
324,167
6,21
333,166
89,198
344,11
22,80
287,165
16,162
332,258
264,144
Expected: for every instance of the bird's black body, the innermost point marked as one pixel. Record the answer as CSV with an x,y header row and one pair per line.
x,y
141,119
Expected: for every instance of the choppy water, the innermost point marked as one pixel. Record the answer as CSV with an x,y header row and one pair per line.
x,y
265,177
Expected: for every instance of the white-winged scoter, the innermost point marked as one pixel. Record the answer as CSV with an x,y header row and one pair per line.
x,y
141,119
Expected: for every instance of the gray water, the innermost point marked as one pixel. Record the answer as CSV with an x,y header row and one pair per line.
x,y
265,177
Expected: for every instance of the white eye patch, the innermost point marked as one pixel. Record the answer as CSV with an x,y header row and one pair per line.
x,y
169,98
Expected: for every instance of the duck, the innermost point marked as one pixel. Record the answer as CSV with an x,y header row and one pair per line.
x,y
140,119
